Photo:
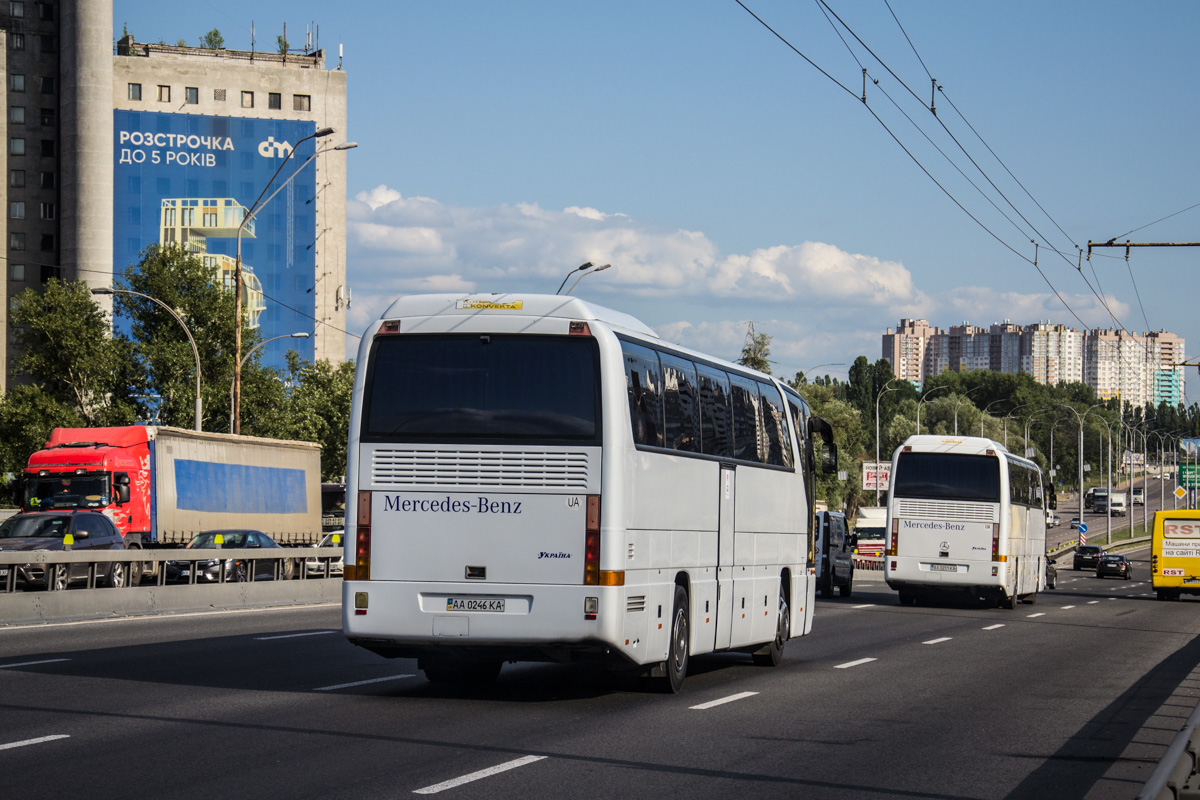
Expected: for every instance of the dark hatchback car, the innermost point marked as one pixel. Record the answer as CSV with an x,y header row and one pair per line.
x,y
209,570
47,530
1087,555
1114,564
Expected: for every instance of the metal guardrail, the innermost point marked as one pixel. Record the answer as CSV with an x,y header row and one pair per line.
x,y
9,560
1175,777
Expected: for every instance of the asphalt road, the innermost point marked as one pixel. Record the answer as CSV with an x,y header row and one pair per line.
x,y
1076,696
1098,523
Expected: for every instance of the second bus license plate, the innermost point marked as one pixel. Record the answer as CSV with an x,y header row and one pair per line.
x,y
943,567
475,604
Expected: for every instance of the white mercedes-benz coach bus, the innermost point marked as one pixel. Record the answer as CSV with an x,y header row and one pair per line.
x,y
964,516
537,478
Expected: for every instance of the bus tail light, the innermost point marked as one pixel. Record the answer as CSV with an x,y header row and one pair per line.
x,y
389,326
996,543
579,329
591,541
892,542
361,570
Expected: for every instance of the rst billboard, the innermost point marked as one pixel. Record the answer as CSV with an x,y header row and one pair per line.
x,y
189,179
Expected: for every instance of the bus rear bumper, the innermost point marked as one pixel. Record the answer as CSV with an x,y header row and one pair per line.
x,y
505,622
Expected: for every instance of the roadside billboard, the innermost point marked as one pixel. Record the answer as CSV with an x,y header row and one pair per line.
x,y
876,476
188,179
1189,463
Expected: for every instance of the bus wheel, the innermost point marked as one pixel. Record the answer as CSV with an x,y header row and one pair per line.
x,y
907,598
677,650
772,654
844,591
1008,601
1163,594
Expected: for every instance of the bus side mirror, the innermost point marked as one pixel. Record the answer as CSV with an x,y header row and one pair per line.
x,y
829,459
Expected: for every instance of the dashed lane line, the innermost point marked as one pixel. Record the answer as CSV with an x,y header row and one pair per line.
x,y
33,663
994,627
1064,608
722,701
865,605
1038,614
362,683
938,641
39,740
859,662
474,776
1092,602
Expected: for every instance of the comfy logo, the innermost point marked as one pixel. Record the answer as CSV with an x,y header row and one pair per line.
x,y
273,149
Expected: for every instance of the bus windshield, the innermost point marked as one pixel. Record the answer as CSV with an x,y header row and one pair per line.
x,y
948,476
473,387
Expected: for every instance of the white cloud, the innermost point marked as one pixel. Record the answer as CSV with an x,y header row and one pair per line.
x,y
820,304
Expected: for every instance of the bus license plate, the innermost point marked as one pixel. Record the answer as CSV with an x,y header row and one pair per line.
x,y
3,572
943,567
475,604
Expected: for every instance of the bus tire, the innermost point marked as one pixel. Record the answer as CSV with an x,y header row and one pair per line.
x,y
1162,594
1008,601
675,668
907,598
845,590
772,654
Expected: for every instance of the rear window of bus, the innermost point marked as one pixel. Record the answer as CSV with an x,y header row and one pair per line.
x,y
948,476
483,387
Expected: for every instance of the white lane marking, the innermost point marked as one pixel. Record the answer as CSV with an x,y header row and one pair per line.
x,y
723,700
292,635
1092,602
865,605
362,683
1039,614
39,740
474,776
994,627
1112,598
33,663
1064,608
850,664
938,641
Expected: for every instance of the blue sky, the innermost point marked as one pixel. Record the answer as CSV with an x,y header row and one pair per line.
x,y
728,180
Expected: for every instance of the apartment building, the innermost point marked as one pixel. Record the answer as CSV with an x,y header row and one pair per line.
x,y
1142,369
112,147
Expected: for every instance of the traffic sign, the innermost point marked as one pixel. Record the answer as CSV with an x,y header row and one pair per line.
x,y
1180,492
1189,476
1083,527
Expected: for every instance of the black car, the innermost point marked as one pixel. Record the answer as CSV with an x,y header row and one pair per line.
x,y
209,570
1051,574
1114,564
47,530
1087,555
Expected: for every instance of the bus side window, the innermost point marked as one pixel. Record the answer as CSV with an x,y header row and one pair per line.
x,y
747,422
643,378
778,450
681,408
716,432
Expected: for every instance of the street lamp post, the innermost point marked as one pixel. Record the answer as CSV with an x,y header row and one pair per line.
x,y
923,399
879,396
245,358
1028,424
1079,417
102,290
984,413
959,404
585,274
237,275
1108,505
1006,419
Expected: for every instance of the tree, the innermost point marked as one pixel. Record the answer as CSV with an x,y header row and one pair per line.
x,y
755,350
282,45
27,415
213,40
182,281
66,351
318,409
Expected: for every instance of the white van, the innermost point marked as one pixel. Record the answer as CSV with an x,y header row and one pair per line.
x,y
1117,502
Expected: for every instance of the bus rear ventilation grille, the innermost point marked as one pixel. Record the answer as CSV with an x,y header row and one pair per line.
x,y
480,468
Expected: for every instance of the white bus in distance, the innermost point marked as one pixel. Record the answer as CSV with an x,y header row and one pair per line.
x,y
536,478
967,517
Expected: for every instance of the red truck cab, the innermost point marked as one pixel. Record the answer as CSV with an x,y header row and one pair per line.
x,y
94,469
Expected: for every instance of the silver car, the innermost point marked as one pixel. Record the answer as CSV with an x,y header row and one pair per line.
x,y
314,566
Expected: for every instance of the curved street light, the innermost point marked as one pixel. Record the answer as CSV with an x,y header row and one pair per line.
x,y
103,290
237,269
1107,505
959,405
1079,417
584,266
1007,417
584,275
985,411
923,399
878,397
245,358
